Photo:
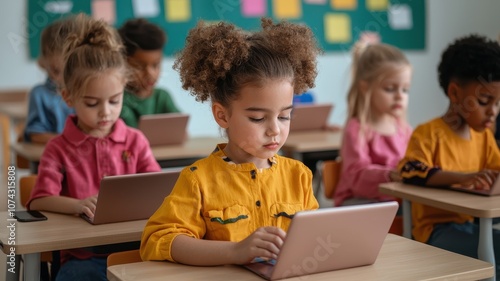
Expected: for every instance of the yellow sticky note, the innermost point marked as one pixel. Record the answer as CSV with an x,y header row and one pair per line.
x,y
344,4
287,9
337,28
177,10
377,5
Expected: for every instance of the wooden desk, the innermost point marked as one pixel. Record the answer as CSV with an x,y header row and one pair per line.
x,y
167,156
399,259
61,232
299,143
16,111
185,154
486,208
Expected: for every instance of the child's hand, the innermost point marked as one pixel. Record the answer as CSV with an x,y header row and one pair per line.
x,y
87,206
265,243
481,180
395,176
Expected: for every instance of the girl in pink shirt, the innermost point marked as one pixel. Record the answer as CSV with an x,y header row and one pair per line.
x,y
376,133
95,143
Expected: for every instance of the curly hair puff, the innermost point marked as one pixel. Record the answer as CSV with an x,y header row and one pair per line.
x,y
470,58
218,60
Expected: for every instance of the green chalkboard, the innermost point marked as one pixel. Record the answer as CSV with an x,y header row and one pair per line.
x,y
401,23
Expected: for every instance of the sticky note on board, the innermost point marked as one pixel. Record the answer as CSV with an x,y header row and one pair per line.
x,y
337,28
177,10
344,4
146,8
58,7
377,5
105,10
315,2
253,8
287,9
400,17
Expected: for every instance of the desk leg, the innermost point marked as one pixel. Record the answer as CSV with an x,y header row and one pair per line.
x,y
13,276
32,267
407,218
485,249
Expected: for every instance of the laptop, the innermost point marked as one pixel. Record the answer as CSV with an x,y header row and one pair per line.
x,y
330,239
309,117
132,197
164,129
493,191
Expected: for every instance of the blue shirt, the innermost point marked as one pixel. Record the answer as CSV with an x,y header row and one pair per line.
x,y
47,111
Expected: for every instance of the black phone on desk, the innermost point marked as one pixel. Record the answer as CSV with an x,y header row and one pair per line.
x,y
27,216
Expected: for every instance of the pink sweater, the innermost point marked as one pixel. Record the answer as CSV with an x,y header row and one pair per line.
x,y
367,160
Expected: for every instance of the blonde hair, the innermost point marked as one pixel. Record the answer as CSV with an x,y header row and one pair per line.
x,y
370,65
53,37
92,48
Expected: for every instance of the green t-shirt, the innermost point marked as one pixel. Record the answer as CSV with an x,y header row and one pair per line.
x,y
134,107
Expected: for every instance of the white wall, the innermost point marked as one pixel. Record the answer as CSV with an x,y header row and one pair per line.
x,y
446,20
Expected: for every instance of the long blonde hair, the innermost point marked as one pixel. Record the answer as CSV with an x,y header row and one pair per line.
x,y
370,65
91,49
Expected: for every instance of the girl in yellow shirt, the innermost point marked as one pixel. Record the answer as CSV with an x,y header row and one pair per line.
x,y
237,204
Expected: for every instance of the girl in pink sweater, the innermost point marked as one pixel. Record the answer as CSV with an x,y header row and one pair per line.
x,y
376,133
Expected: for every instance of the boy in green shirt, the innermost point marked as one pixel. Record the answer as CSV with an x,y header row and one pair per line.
x,y
144,43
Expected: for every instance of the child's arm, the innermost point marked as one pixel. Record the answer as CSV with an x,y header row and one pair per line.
x,y
37,122
42,138
265,242
146,161
65,205
418,167
364,175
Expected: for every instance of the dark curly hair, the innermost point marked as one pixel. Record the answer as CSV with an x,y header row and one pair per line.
x,y
140,34
470,58
219,59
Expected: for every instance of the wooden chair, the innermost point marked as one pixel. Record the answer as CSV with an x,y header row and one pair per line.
x,y
19,95
124,257
26,184
330,174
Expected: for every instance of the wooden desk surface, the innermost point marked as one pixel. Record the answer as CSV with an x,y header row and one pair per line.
x,y
456,201
197,147
31,151
14,110
312,141
399,259
61,232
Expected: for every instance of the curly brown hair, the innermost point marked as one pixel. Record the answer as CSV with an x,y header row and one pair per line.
x,y
219,59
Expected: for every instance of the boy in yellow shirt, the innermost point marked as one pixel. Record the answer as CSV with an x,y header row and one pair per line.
x,y
458,147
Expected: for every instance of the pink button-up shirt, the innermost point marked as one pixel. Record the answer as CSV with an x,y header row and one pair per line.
x,y
367,160
74,163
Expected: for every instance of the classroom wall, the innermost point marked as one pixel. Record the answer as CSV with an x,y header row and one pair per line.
x,y
446,20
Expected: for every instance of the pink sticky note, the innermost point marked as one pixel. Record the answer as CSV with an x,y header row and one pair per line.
x,y
105,10
253,8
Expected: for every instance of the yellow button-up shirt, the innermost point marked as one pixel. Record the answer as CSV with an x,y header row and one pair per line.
x,y
217,200
434,145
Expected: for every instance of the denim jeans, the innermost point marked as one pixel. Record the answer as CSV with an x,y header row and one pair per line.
x,y
463,239
93,269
